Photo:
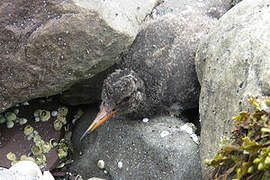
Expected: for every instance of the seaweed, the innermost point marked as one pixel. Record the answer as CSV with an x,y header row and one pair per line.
x,y
246,154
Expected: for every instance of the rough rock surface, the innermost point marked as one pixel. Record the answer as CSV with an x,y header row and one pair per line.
x,y
47,46
232,64
14,175
143,148
211,8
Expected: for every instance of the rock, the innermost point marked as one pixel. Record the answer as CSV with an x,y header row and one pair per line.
x,y
169,41
15,175
212,8
47,46
86,91
232,64
138,150
94,178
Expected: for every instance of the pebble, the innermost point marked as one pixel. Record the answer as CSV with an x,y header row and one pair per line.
x,y
54,113
25,103
145,120
164,133
120,164
37,119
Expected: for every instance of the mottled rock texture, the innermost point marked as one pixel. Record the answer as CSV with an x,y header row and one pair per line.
x,y
15,175
232,64
47,46
140,147
211,8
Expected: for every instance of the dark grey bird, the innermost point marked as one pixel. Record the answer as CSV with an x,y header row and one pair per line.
x,y
157,75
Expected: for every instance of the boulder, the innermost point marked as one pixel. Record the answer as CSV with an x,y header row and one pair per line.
x,y
15,175
232,64
154,149
212,8
47,46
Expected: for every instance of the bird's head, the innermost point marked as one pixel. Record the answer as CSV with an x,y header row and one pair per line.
x,y
123,93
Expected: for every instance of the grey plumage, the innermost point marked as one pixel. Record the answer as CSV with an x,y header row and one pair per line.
x,y
157,75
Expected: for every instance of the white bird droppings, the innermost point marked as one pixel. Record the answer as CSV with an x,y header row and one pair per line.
x,y
145,120
164,133
195,138
186,128
120,164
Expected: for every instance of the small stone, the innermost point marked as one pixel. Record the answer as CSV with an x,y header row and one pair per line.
x,y
36,113
22,121
37,119
25,103
101,164
54,113
105,172
120,164
164,133
145,120
30,137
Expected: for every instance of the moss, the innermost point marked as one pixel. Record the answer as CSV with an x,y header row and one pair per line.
x,y
246,155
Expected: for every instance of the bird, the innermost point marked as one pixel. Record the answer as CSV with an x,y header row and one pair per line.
x,y
157,75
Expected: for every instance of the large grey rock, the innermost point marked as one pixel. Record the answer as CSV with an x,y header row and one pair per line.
x,y
211,8
47,46
232,64
142,148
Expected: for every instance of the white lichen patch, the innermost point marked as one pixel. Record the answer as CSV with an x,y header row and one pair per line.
x,y
120,164
164,133
145,120
101,164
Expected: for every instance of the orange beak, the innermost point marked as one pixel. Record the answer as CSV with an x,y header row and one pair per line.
x,y
102,116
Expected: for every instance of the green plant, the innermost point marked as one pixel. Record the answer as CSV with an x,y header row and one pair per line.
x,y
246,155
